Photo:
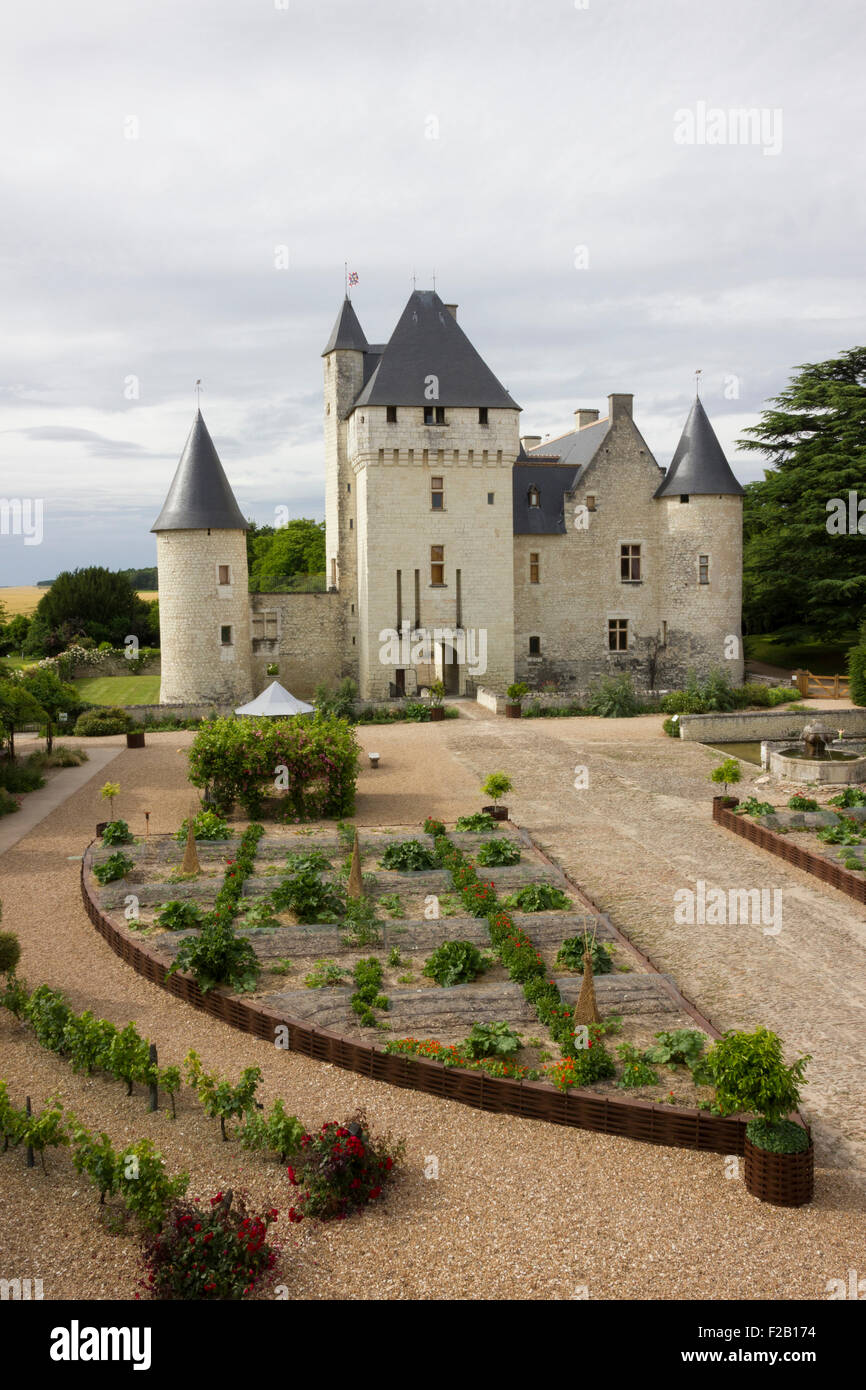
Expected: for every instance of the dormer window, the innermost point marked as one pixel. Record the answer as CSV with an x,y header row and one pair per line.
x,y
391,414
534,497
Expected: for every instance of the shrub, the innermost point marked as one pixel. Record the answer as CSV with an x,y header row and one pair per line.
x,y
491,1040
671,727
749,1073
516,692
587,1065
21,775
803,803
408,856
207,825
368,981
342,1169
49,1015
235,760
128,1058
115,866
416,712
497,785
683,702
178,915
727,773
94,723
220,1099
8,804
636,1071
454,963
613,698
325,974
276,1132
538,897
571,952
61,756
214,1251
14,995
147,1190
116,832
784,1137
677,1046
310,898
481,820
717,692
10,952
494,852
857,674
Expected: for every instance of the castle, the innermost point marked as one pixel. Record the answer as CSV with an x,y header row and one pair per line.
x,y
457,549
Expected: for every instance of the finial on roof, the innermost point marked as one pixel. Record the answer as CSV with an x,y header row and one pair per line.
x,y
697,382
198,394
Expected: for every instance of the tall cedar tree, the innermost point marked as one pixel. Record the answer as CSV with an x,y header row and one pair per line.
x,y
796,573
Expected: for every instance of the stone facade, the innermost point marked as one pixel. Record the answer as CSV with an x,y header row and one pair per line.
x,y
433,567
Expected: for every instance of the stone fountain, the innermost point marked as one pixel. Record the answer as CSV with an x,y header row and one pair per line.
x,y
815,760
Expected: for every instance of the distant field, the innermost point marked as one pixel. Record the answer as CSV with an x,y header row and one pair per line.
x,y
23,598
120,690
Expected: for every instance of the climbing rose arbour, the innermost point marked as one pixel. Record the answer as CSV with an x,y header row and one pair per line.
x,y
237,759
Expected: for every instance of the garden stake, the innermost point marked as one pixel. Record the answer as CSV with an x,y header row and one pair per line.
x,y
356,883
154,1091
190,859
587,1008
31,1162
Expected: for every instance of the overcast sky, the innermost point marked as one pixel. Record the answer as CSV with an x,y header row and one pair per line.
x,y
483,140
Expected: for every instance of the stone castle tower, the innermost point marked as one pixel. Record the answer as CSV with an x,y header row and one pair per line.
x,y
204,606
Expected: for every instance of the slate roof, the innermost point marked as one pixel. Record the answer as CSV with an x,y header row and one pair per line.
x,y
576,447
552,481
428,341
200,495
699,466
347,331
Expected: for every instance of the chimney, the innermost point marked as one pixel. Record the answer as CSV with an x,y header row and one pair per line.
x,y
584,417
530,441
452,309
619,405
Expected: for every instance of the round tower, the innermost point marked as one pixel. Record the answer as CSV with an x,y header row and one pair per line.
x,y
701,605
204,606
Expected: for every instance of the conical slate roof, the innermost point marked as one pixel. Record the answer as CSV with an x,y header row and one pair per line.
x,y
200,495
428,341
347,331
698,465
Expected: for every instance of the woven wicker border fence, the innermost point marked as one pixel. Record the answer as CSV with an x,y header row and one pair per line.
x,y
843,879
532,1100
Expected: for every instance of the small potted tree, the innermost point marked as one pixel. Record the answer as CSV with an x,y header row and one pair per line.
x,y
108,792
728,774
750,1075
513,695
437,694
497,785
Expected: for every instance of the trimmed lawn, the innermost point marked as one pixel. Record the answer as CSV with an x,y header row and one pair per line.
x,y
120,690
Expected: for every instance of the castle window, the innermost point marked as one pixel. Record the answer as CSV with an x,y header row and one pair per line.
x,y
434,415
471,457
348,487
535,646
482,415
617,634
590,502
224,575
684,497
629,564
437,566
533,567
351,524
534,497
491,498
226,635
703,569
391,414
437,494
264,624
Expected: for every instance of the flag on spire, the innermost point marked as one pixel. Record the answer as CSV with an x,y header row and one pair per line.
x,y
353,277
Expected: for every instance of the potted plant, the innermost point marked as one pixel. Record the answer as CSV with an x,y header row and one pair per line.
x,y
750,1075
728,774
497,785
513,695
437,694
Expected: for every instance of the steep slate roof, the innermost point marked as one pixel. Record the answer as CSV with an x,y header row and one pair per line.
x,y
428,341
200,495
698,465
577,447
552,481
347,331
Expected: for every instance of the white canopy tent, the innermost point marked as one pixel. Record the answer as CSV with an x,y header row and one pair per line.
x,y
276,702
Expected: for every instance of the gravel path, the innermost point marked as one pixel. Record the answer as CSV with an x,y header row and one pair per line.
x,y
519,1209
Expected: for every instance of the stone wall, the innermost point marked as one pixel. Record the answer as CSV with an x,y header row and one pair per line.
x,y
193,610
750,725
307,643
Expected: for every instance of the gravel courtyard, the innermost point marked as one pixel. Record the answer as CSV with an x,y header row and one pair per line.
x,y
519,1209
